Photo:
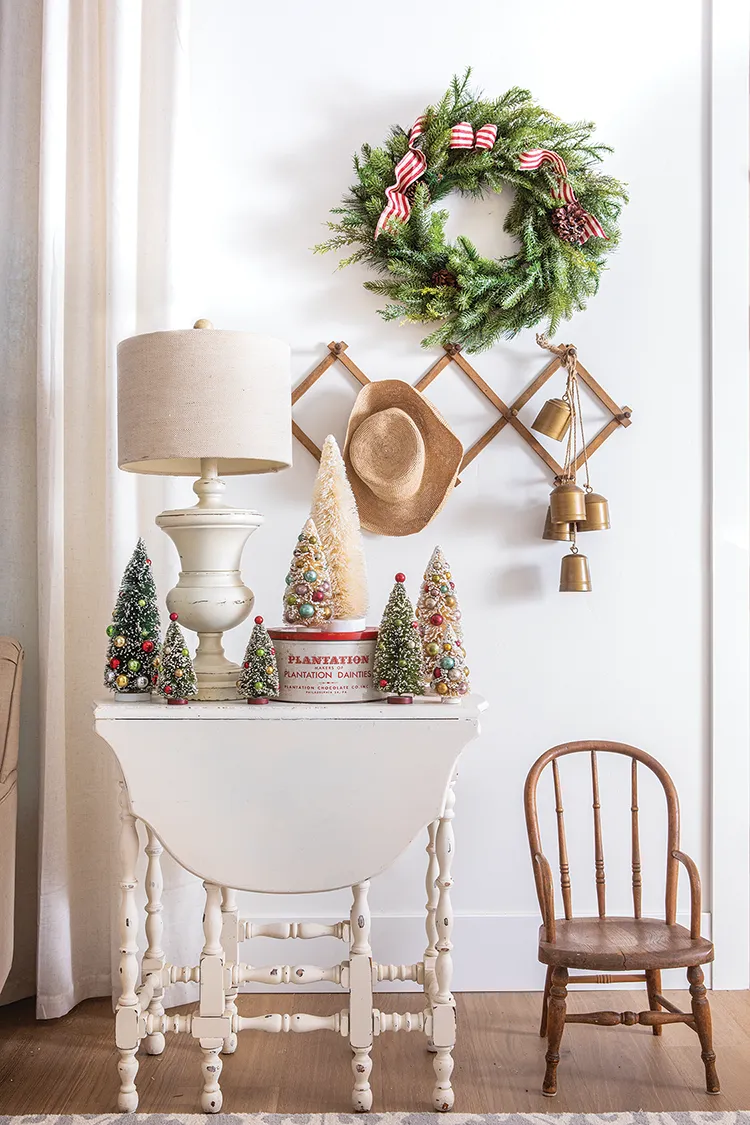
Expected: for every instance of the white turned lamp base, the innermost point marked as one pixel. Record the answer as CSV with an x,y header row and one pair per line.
x,y
210,596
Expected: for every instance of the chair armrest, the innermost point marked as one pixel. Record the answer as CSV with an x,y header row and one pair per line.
x,y
546,895
695,892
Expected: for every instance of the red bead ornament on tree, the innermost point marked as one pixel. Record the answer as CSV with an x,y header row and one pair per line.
x,y
173,616
400,577
148,646
259,620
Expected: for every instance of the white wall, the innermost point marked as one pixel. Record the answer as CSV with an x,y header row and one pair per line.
x,y
282,96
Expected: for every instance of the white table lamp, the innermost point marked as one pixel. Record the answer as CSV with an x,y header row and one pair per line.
x,y
206,403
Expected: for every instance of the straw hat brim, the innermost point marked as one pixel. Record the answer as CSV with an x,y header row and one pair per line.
x,y
443,455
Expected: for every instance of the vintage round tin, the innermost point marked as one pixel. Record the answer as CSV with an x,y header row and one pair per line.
x,y
319,667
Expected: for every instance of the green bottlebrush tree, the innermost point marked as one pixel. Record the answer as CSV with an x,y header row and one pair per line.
x,y
176,680
259,678
133,647
398,653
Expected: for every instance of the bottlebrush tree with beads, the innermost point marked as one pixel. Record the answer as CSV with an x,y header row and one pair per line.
x,y
449,675
308,597
437,606
334,512
259,678
397,669
133,648
176,678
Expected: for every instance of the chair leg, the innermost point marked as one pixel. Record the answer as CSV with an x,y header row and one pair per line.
x,y
702,1016
653,986
545,998
558,993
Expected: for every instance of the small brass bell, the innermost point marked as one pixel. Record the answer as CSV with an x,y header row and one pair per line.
x,y
567,503
574,574
560,532
553,420
597,513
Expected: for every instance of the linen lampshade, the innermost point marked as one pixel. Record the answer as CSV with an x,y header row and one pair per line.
x,y
198,393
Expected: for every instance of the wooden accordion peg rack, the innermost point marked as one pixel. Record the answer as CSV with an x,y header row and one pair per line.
x,y
508,415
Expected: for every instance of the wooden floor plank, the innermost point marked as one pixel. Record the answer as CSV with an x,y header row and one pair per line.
x,y
69,1065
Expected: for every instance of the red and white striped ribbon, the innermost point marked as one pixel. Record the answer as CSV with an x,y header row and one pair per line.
x,y
462,136
408,170
562,190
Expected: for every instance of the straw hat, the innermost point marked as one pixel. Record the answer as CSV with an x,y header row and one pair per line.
x,y
401,458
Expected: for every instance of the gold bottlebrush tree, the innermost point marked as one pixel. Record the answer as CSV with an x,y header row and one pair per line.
x,y
334,511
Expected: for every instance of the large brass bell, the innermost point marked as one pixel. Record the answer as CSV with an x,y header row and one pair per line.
x,y
567,503
597,513
553,420
560,532
574,574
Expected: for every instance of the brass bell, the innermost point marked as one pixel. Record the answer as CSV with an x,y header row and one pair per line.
x,y
574,574
560,532
553,420
567,503
597,513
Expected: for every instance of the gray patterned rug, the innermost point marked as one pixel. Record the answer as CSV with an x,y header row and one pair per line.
x,y
637,1117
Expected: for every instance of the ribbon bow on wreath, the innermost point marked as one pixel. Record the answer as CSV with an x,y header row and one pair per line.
x,y
426,277
570,219
414,164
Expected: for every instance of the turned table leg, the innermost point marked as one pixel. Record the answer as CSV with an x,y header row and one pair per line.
x,y
443,1007
154,957
126,1019
212,1001
430,882
230,945
360,997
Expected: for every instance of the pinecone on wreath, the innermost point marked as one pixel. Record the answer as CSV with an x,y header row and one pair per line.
x,y
444,277
411,192
568,223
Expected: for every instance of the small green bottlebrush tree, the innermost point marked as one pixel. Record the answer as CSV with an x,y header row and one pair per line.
x,y
133,647
259,678
176,680
397,669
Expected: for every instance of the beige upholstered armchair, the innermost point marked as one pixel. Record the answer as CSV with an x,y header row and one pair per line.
x,y
11,664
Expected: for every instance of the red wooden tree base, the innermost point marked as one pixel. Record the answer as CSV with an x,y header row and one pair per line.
x,y
177,702
260,699
399,699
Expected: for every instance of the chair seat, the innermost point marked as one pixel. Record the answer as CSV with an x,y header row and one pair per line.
x,y
623,943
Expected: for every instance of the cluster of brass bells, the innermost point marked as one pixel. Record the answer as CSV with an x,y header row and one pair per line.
x,y
573,509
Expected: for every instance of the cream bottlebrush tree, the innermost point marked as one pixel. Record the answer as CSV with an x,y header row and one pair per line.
x,y
334,511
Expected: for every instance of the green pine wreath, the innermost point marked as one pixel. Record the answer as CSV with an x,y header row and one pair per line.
x,y
477,300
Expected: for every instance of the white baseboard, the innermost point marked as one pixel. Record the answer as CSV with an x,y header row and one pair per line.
x,y
492,952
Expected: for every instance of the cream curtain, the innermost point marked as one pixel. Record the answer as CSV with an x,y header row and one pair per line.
x,y
110,138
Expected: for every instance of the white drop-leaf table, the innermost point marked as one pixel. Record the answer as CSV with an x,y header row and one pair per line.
x,y
283,799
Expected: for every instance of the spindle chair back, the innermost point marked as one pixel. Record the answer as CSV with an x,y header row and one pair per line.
x,y
604,944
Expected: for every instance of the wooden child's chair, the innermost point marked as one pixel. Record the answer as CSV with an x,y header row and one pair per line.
x,y
642,947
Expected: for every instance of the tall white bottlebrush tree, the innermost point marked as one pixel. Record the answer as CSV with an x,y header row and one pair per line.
x,y
334,511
